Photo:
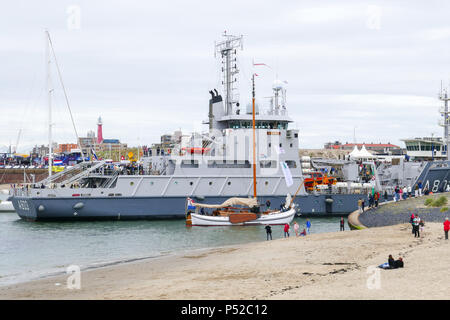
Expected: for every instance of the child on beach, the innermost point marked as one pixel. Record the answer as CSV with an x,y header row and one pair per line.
x,y
296,227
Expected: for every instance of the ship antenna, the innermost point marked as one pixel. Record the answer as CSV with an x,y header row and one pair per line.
x,y
49,100
65,92
227,49
254,136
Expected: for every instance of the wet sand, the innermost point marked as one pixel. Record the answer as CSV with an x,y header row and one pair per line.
x,y
320,266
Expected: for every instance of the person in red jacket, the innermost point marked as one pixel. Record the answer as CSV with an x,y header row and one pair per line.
x,y
446,228
286,230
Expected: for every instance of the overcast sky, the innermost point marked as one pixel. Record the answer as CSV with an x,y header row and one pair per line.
x,y
146,67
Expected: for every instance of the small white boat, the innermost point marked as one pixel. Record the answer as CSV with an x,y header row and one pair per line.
x,y
5,206
227,214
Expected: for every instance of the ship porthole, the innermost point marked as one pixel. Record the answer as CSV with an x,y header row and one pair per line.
x,y
210,183
229,183
131,183
191,183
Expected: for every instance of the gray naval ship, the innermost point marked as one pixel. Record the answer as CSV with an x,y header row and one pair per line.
x,y
215,165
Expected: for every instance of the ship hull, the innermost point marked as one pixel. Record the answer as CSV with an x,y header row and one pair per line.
x,y
150,208
436,179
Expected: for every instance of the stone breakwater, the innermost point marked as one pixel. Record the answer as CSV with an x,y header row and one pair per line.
x,y
400,212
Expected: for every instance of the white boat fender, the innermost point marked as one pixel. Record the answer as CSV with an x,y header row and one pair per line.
x,y
41,208
329,200
200,197
78,205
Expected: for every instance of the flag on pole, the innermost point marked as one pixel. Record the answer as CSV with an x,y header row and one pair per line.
x,y
191,205
287,174
94,154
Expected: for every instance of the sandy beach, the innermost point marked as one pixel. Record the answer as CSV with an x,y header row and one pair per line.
x,y
336,265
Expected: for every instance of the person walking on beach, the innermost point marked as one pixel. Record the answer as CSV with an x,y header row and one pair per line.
x,y
420,188
268,232
411,220
308,225
360,205
296,227
416,223
397,193
342,224
286,230
446,228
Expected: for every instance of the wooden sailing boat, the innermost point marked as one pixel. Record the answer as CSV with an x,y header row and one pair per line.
x,y
240,211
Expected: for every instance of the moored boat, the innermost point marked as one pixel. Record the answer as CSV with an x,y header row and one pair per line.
x,y
228,214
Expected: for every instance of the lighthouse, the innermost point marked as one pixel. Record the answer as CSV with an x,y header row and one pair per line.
x,y
99,131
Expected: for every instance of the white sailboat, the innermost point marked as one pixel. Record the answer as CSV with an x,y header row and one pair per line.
x,y
240,211
5,205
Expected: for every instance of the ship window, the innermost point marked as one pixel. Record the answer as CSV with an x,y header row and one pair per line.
x,y
189,164
131,183
228,164
296,135
191,183
229,182
267,183
210,183
270,144
267,164
290,145
281,145
291,163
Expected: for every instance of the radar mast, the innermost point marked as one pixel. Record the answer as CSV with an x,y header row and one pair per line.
x,y
227,49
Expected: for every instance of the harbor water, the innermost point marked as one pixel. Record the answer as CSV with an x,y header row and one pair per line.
x,y
32,250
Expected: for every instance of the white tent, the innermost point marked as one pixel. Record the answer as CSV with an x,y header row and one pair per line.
x,y
354,153
364,154
361,154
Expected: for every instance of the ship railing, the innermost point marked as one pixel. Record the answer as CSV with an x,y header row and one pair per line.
x,y
59,175
341,190
108,183
84,173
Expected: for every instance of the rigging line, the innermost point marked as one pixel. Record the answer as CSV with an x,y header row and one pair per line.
x,y
65,94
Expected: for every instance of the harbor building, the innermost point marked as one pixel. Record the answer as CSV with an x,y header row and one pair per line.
x,y
426,148
375,148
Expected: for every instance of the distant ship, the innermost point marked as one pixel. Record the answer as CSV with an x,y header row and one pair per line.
x,y
213,166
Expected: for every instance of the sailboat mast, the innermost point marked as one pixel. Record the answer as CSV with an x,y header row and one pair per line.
x,y
254,136
49,97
